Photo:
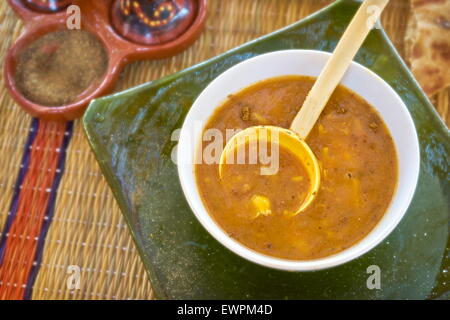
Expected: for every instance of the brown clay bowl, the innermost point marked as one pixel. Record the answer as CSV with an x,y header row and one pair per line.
x,y
95,18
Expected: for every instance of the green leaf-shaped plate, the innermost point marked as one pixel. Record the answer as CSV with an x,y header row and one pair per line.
x,y
130,134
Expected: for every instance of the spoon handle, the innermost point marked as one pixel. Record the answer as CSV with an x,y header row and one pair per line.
x,y
352,39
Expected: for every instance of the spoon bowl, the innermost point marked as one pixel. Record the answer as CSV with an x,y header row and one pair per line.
x,y
277,136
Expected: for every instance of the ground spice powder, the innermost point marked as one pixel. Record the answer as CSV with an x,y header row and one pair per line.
x,y
56,68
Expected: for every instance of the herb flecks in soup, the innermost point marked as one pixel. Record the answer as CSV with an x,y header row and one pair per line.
x,y
359,174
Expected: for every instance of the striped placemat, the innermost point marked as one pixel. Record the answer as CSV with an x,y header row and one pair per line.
x,y
62,235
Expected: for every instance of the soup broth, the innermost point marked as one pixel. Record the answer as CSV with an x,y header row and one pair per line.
x,y
358,166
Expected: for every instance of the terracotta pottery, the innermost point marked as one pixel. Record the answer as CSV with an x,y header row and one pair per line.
x,y
122,47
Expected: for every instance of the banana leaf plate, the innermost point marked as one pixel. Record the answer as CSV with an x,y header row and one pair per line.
x,y
133,135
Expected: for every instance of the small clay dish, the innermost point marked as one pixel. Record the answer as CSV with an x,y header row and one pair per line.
x,y
120,45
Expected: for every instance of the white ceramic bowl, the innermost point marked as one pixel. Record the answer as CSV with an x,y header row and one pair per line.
x,y
302,62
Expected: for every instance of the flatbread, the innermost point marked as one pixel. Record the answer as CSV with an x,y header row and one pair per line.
x,y
428,44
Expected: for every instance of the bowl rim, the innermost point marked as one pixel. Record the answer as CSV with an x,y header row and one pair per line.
x,y
187,175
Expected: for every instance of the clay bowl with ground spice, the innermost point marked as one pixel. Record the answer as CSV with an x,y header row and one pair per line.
x,y
54,73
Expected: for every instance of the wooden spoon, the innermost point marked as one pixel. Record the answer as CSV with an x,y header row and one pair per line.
x,y
294,138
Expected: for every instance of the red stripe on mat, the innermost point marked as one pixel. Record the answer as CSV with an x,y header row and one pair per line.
x,y
22,238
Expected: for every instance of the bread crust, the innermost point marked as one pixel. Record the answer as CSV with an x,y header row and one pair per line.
x,y
427,43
